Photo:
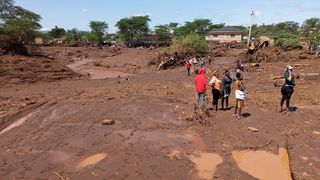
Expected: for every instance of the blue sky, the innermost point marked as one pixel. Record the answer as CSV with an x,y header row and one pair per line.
x,y
77,13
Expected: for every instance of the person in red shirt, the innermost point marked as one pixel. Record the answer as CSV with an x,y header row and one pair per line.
x,y
200,82
188,66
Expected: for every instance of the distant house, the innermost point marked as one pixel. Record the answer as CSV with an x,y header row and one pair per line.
x,y
225,34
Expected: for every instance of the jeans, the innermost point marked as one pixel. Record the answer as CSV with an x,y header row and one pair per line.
x,y
200,98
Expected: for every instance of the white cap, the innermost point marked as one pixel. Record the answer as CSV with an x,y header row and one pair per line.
x,y
290,67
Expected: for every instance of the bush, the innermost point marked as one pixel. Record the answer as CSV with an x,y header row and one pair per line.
x,y
314,39
191,44
288,40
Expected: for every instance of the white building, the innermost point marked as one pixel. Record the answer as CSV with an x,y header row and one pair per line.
x,y
225,34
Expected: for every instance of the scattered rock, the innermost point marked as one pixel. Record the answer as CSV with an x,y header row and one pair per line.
x,y
304,158
253,129
255,65
316,132
108,122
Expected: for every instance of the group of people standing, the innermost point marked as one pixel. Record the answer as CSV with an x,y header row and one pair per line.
x,y
221,89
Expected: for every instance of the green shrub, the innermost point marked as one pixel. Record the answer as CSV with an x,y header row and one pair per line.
x,y
287,40
314,38
192,44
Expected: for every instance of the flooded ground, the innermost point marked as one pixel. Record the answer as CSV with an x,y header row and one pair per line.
x,y
53,130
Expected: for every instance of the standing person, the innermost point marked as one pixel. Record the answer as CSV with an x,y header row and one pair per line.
x,y
240,95
209,59
202,61
200,82
226,82
239,65
188,66
288,88
193,63
215,83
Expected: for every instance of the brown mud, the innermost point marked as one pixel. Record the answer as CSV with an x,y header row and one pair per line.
x,y
52,129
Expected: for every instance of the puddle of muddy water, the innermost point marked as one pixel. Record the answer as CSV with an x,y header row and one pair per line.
x,y
206,164
264,165
92,160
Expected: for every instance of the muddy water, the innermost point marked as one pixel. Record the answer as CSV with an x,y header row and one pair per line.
x,y
206,164
264,165
82,67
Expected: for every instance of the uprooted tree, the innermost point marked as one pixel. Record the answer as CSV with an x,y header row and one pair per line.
x,y
18,27
181,49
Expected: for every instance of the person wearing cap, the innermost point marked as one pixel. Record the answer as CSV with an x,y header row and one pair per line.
x,y
288,88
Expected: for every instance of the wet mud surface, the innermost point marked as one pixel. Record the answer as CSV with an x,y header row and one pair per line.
x,y
54,130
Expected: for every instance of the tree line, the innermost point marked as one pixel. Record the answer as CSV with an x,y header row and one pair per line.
x,y
19,27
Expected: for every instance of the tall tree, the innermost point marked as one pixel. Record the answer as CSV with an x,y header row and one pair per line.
x,y
57,32
199,26
18,27
133,28
287,27
99,28
310,26
163,34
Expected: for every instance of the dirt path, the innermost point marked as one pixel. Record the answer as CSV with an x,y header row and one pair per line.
x,y
152,137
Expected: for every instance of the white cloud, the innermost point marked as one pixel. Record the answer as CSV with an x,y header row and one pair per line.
x,y
44,29
142,14
84,10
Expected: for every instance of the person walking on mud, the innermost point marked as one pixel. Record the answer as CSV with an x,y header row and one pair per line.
x,y
287,89
200,82
240,96
226,82
188,66
215,83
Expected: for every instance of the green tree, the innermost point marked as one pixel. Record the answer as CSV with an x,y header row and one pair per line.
x,y
314,38
287,27
89,37
288,40
18,27
199,26
99,28
189,44
133,28
163,34
72,35
57,32
310,26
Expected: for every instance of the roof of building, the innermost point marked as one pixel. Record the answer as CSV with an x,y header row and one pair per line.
x,y
226,30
